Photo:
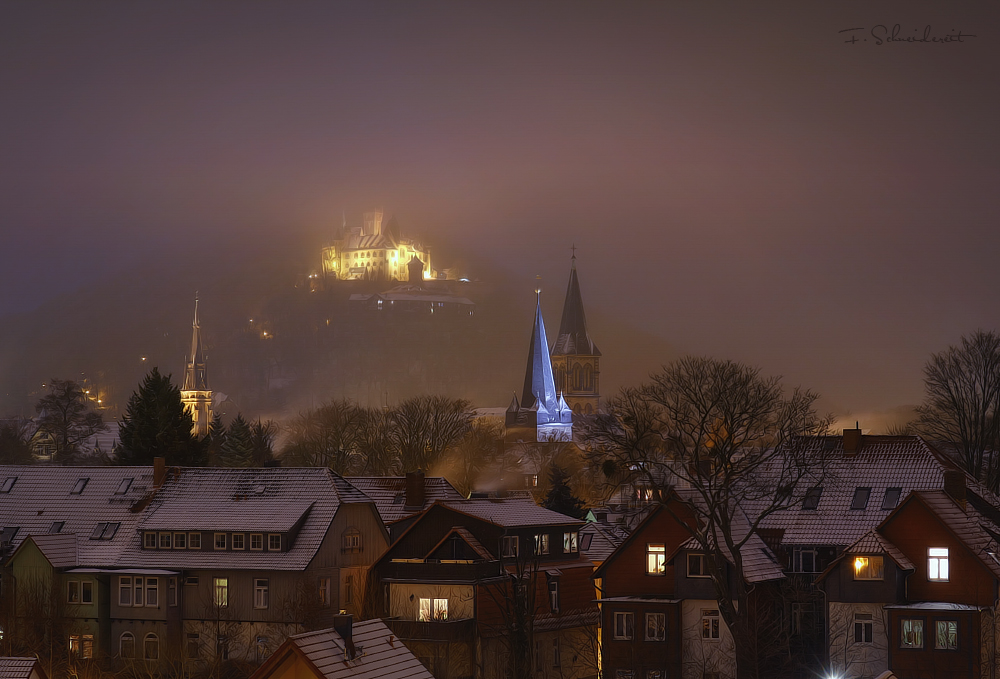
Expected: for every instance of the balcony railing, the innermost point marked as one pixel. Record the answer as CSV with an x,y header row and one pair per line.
x,y
443,630
439,572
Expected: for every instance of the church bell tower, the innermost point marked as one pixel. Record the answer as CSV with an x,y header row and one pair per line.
x,y
195,394
576,360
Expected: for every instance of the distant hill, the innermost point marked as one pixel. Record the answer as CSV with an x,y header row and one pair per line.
x,y
275,347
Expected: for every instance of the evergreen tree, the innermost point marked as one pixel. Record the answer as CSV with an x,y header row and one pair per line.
x,y
560,497
214,441
237,449
156,424
15,446
263,435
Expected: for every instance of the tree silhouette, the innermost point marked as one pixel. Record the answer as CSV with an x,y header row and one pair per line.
x,y
156,424
65,415
560,497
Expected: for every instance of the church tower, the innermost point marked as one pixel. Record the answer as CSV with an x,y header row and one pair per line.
x,y
195,394
575,358
542,413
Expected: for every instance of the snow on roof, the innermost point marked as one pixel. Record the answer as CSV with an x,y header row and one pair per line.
x,y
19,668
389,494
510,512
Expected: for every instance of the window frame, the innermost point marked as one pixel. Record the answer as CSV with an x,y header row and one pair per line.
x,y
155,640
657,551
220,541
180,540
351,540
892,491
508,541
624,625
122,641
125,587
571,542
270,542
711,625
261,593
658,623
937,634
868,566
323,587
240,538
71,587
149,540
918,626
864,628
862,496
220,592
541,544
165,540
86,592
810,502
696,557
259,539
152,588
798,551
194,540
935,572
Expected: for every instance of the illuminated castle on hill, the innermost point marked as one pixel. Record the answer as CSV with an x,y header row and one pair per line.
x,y
374,251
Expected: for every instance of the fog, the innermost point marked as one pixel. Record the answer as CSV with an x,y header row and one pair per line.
x,y
739,182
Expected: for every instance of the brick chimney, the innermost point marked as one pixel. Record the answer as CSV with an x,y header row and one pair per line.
x,y
343,624
954,485
159,471
852,442
415,493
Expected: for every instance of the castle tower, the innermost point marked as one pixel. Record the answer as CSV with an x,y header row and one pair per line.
x,y
542,414
575,358
195,394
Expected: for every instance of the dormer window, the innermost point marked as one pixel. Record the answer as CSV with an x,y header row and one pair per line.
x,y
868,568
937,564
352,540
861,496
81,483
571,543
274,542
509,546
149,540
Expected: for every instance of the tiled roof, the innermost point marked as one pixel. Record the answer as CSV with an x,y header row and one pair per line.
x,y
469,539
380,654
968,524
905,462
18,668
389,494
42,496
59,549
510,512
601,542
874,543
242,500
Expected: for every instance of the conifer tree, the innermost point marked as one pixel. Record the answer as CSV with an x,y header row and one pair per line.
x,y
560,497
237,449
156,424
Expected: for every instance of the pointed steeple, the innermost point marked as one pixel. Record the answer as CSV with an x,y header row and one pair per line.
x,y
196,372
539,384
573,338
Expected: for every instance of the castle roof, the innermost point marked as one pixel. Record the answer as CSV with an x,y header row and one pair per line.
x,y
573,337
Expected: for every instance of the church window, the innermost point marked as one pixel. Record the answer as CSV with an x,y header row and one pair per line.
x,y
577,377
588,378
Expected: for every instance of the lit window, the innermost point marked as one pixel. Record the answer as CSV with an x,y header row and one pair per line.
x,y
256,541
811,500
220,587
937,564
180,540
946,635
710,625
864,628
194,540
81,646
656,559
911,633
274,542
571,542
220,540
541,543
260,593
429,610
149,540
151,647
861,496
696,566
868,568
656,626
165,540
126,645
509,546
239,541
624,625
891,498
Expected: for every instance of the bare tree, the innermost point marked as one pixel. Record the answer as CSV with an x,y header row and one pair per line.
x,y
325,437
65,415
425,427
725,448
962,403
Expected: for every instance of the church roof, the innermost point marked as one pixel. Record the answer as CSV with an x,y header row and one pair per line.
x,y
196,371
539,384
573,337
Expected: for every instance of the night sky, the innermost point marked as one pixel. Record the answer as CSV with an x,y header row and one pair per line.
x,y
739,182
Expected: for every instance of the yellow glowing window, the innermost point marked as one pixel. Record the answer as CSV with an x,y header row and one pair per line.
x,y
937,564
868,568
656,559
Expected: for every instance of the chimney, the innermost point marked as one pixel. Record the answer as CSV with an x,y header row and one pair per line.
x,y
415,495
343,624
954,485
852,441
159,471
